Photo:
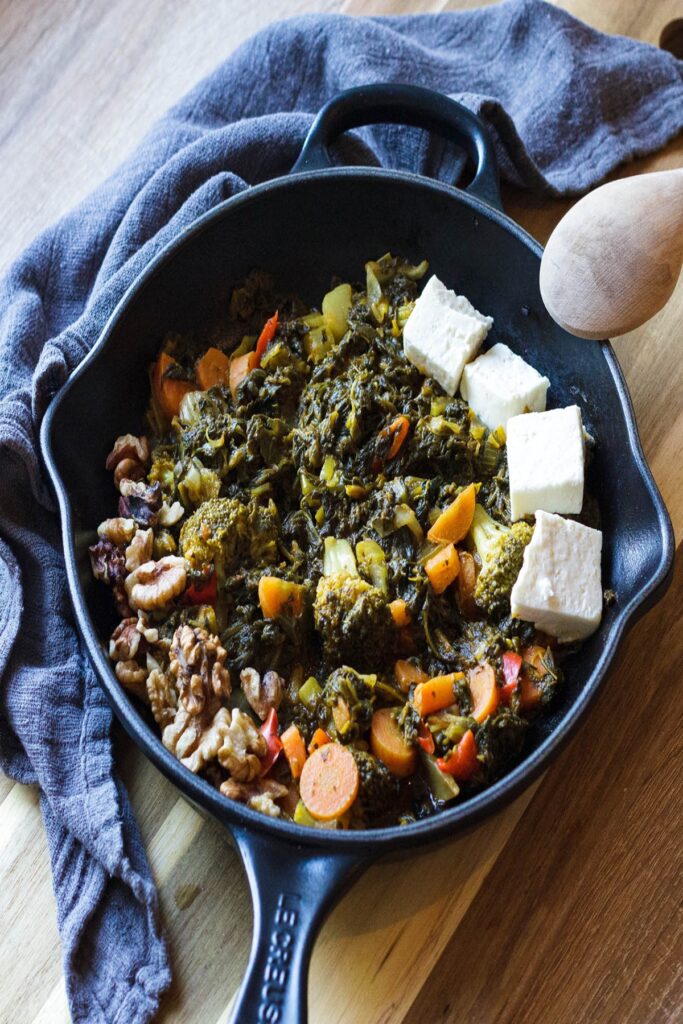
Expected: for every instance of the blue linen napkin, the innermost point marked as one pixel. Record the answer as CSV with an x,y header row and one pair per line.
x,y
564,105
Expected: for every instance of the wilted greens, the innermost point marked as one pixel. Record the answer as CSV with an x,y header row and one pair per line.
x,y
306,461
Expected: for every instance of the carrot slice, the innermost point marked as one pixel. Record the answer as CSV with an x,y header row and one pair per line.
x,y
399,612
266,336
455,521
239,369
295,750
529,692
213,368
436,694
398,432
168,391
406,674
388,744
329,782
278,597
467,580
484,690
319,739
442,568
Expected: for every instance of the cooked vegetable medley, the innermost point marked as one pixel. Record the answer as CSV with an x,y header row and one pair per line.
x,y
324,602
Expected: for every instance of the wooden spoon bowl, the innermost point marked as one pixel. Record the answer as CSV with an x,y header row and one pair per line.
x,y
614,259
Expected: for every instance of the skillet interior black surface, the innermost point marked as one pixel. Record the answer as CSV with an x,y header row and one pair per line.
x,y
305,229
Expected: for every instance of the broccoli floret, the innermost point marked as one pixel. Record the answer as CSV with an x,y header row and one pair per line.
x,y
500,741
378,791
353,620
350,698
224,531
501,549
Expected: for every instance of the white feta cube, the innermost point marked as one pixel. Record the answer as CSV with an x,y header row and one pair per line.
x,y
499,384
546,461
443,332
559,586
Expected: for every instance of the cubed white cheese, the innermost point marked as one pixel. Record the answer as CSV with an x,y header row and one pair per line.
x,y
442,333
499,384
559,587
546,461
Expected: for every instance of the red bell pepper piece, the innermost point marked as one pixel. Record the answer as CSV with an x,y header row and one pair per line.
x,y
425,738
462,762
266,336
204,592
269,729
512,664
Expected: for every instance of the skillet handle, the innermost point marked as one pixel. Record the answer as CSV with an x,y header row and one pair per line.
x,y
292,889
405,104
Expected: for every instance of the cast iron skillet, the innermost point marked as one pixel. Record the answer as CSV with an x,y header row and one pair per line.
x,y
318,221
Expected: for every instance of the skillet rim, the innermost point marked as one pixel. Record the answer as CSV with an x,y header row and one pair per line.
x,y
449,822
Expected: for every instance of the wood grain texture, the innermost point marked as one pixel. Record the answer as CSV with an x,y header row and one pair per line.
x,y
564,909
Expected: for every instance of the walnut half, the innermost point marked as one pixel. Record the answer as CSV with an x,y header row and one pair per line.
x,y
198,662
262,693
153,584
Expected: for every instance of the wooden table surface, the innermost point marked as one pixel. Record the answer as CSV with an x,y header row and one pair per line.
x,y
565,909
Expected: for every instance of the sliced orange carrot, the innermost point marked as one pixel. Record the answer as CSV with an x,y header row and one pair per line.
x,y
266,336
436,694
530,692
399,612
295,750
406,674
168,391
467,580
388,743
341,716
319,739
455,521
398,432
280,597
213,368
329,782
239,369
484,690
442,568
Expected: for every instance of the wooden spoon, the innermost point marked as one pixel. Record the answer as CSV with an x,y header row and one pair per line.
x,y
613,261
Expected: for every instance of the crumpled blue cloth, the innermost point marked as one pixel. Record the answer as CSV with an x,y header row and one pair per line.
x,y
564,104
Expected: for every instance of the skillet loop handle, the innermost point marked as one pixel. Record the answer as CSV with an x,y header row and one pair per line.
x,y
292,889
405,104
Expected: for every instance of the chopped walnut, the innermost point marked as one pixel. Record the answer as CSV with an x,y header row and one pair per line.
x,y
140,549
262,694
119,531
109,566
183,734
163,698
235,741
125,641
128,458
198,662
140,502
259,794
128,469
153,584
171,514
150,633
128,446
131,675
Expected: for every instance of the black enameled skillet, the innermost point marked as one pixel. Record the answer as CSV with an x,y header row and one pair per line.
x,y
318,221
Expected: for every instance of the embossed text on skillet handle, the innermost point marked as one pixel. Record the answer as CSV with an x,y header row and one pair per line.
x,y
292,888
